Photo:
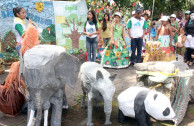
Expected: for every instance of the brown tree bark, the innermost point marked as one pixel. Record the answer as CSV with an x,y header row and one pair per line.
x,y
75,35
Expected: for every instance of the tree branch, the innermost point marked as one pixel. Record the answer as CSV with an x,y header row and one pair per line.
x,y
67,23
67,36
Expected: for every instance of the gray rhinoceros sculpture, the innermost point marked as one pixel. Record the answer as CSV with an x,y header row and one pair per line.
x,y
46,69
97,83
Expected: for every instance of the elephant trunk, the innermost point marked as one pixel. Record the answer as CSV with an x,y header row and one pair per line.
x,y
38,104
108,110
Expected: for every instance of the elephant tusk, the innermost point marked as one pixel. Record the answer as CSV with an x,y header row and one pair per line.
x,y
46,118
31,117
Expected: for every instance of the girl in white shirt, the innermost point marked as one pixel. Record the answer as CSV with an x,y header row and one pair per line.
x,y
91,32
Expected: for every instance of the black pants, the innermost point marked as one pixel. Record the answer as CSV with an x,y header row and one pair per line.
x,y
189,51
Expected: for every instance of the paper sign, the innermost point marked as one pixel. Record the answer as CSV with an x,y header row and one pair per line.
x,y
60,19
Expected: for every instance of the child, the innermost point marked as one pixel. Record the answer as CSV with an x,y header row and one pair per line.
x,y
153,31
180,49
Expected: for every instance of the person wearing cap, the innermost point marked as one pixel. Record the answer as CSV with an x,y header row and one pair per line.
x,y
187,17
165,36
189,43
175,29
116,54
136,29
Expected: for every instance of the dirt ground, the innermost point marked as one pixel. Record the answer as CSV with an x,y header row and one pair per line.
x,y
77,116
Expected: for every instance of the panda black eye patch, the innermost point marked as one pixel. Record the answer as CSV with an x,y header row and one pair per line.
x,y
155,96
166,112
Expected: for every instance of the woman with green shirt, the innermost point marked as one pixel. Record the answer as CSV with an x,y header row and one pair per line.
x,y
175,28
19,25
116,54
106,26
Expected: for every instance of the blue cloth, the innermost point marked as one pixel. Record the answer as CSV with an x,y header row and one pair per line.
x,y
153,32
91,45
136,43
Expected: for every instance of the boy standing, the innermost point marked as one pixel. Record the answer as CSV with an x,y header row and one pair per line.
x,y
136,29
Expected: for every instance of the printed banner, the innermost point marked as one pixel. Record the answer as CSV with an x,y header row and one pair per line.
x,y
70,18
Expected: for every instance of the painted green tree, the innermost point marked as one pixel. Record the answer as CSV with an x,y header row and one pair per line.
x,y
74,23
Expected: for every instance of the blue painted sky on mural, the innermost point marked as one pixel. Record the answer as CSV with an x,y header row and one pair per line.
x,y
43,19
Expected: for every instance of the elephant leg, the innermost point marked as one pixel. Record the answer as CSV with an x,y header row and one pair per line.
x,y
29,109
65,104
57,101
83,100
83,97
90,107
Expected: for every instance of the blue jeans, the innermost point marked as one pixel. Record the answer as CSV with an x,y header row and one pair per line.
x,y
18,48
136,43
91,45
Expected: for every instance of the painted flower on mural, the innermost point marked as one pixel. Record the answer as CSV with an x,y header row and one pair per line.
x,y
117,58
70,51
122,58
116,47
118,54
127,57
39,6
107,62
124,46
107,53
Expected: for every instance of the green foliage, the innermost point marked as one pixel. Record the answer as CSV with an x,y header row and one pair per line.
x,y
124,4
167,6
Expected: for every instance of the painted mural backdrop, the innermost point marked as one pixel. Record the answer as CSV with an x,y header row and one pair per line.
x,y
41,12
70,18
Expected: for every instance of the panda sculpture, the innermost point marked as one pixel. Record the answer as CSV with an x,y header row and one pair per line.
x,y
141,103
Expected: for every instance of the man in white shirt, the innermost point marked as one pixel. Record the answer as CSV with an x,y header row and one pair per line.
x,y
136,29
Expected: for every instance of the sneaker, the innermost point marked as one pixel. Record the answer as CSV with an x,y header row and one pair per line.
x,y
131,65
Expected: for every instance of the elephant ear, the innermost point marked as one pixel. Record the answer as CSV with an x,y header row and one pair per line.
x,y
67,68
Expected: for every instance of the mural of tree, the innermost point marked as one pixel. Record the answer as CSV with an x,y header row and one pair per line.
x,y
73,22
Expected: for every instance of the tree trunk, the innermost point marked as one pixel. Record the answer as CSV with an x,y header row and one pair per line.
x,y
75,36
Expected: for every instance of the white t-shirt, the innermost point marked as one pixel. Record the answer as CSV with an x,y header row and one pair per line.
x,y
18,36
137,26
91,29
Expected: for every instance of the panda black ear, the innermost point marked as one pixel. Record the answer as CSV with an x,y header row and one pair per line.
x,y
155,96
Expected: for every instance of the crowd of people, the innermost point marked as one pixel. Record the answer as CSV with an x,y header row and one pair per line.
x,y
176,35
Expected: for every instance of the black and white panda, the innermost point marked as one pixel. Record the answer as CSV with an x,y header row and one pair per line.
x,y
141,103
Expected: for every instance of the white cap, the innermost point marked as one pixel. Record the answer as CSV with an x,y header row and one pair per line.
x,y
133,12
164,18
118,14
173,15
